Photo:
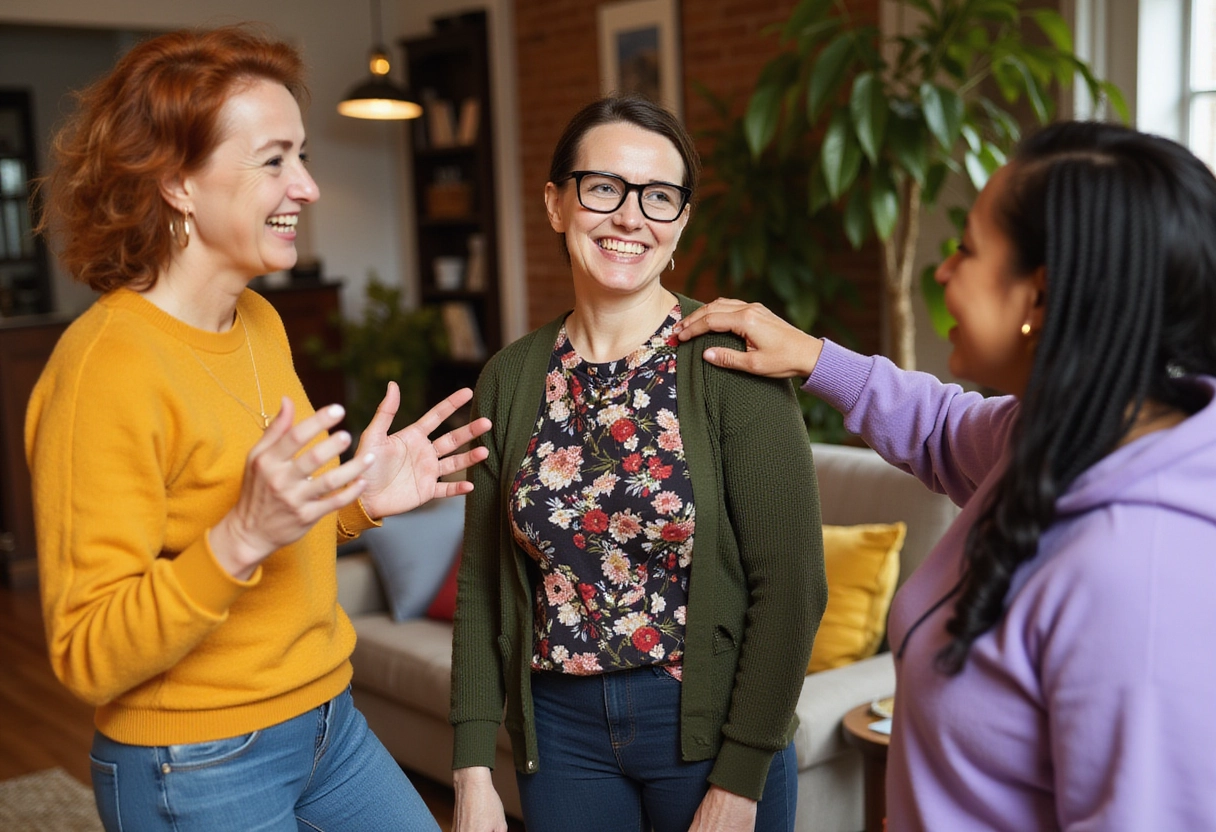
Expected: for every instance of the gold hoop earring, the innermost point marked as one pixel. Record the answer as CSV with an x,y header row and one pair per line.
x,y
181,233
1026,328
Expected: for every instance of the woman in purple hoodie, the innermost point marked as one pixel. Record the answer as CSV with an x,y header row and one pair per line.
x,y
1053,654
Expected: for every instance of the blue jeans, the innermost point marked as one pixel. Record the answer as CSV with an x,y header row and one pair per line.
x,y
609,754
323,770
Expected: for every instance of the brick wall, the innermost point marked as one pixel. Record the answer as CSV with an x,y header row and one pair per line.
x,y
723,45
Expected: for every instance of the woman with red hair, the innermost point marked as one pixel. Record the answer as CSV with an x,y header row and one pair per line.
x,y
188,497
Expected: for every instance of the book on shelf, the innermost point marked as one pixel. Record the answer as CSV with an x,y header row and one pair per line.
x,y
464,336
470,121
442,122
475,269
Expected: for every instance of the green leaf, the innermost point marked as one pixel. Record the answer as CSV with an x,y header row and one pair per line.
x,y
840,155
906,138
943,113
806,14
857,218
1033,90
957,217
818,191
781,278
975,170
760,121
1054,27
884,204
1116,99
935,300
934,181
868,106
828,73
972,136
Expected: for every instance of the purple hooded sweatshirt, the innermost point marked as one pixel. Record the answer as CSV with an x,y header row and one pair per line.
x,y
1092,703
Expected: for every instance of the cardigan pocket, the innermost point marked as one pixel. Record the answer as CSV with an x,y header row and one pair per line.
x,y
724,640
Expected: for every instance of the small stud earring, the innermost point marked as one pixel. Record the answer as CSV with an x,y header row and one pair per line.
x,y
1026,328
673,264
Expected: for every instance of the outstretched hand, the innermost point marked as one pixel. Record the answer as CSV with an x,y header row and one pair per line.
x,y
408,465
775,348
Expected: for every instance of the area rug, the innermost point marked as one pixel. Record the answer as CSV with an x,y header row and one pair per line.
x,y
47,801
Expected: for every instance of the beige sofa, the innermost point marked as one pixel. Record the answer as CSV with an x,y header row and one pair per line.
x,y
401,679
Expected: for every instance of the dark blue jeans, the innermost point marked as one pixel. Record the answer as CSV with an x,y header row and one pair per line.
x,y
609,749
323,770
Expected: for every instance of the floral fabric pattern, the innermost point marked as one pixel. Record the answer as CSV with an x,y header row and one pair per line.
x,y
603,505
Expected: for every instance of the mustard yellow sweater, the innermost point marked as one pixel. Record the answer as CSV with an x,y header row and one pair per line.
x,y
137,443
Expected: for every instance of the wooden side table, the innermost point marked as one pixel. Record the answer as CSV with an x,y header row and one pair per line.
x,y
873,748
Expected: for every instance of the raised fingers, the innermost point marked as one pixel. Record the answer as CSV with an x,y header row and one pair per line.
x,y
434,417
452,440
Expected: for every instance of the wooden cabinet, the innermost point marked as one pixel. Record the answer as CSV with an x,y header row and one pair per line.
x,y
453,163
25,282
25,346
310,310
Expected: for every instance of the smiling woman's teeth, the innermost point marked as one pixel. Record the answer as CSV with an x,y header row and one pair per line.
x,y
286,222
622,247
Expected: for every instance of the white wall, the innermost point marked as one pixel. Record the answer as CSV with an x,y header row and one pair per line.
x,y
362,219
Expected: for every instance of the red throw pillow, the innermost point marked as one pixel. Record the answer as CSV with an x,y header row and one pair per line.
x,y
443,608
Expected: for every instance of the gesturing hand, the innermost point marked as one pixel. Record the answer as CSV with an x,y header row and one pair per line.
x,y
408,465
775,348
280,499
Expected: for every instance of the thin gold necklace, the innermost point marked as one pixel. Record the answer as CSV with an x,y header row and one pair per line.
x,y
258,415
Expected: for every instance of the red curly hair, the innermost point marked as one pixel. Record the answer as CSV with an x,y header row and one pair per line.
x,y
156,115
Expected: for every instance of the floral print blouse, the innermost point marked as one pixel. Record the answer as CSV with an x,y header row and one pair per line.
x,y
603,505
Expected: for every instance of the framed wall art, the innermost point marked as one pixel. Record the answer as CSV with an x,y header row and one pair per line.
x,y
640,50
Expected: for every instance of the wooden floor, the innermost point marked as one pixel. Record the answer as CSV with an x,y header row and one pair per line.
x,y
43,726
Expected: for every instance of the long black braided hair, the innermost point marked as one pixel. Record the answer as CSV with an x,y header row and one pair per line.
x,y
1125,226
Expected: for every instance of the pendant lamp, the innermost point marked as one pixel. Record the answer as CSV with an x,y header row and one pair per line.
x,y
378,97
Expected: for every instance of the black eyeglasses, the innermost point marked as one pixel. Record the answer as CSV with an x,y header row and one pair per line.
x,y
604,193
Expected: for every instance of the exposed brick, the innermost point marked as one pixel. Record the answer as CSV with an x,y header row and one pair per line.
x,y
724,44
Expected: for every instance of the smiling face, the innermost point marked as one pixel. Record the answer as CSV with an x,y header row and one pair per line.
x,y
989,301
621,253
246,199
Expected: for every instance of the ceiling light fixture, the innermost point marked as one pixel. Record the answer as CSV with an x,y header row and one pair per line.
x,y
378,97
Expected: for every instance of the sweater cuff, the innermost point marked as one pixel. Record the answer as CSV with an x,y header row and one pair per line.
x,y
353,520
474,744
207,583
741,769
839,376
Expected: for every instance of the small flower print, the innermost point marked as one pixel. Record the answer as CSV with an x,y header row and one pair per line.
x,y
622,429
555,386
658,652
560,653
681,615
670,440
568,615
666,502
676,531
645,639
580,541
558,588
612,414
641,400
657,469
603,485
632,463
615,566
629,624
667,420
624,527
582,664
561,467
657,603
563,517
595,521
559,411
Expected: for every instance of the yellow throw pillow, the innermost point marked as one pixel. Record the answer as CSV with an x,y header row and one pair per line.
x,y
863,568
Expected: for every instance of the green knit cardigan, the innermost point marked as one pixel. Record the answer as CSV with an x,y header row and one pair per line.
x,y
757,588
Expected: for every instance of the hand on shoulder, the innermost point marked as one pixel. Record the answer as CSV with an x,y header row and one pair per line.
x,y
775,348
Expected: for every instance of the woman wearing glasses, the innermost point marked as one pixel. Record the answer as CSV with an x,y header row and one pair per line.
x,y
635,592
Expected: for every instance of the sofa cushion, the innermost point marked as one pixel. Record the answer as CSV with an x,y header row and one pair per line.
x,y
862,565
443,607
413,553
409,661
